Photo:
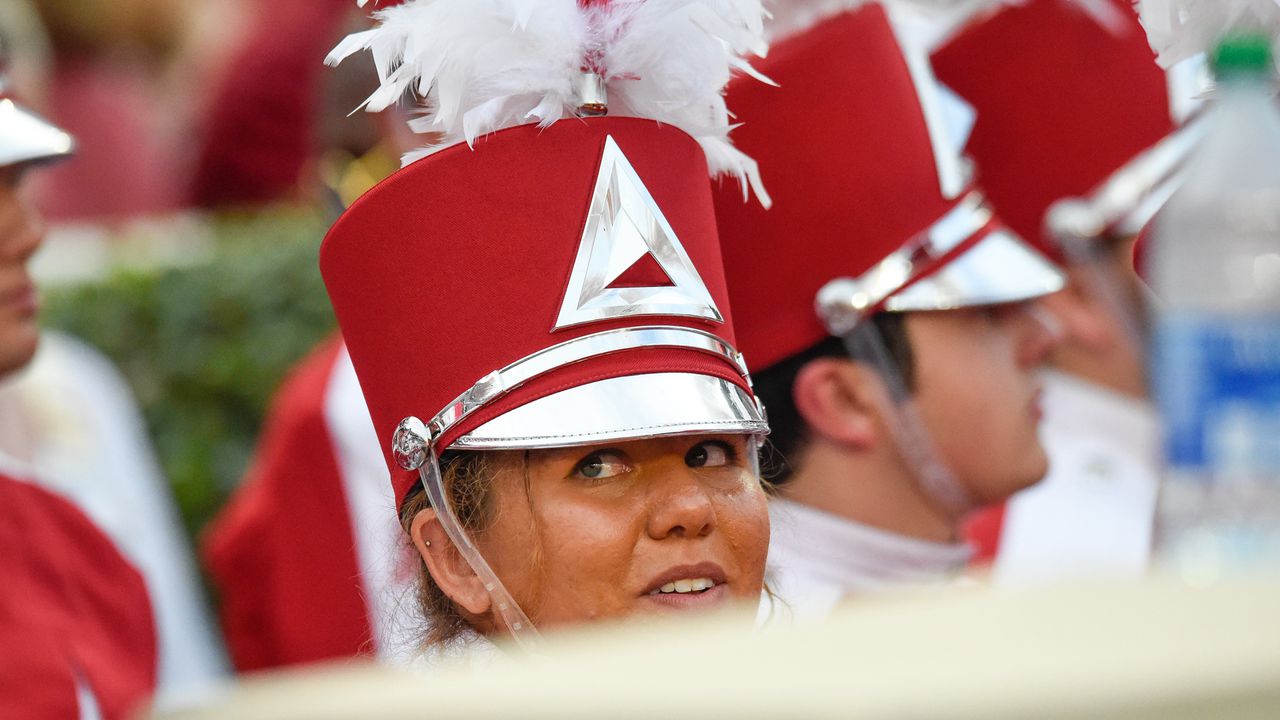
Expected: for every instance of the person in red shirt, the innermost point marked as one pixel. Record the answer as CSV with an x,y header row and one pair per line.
x,y
77,635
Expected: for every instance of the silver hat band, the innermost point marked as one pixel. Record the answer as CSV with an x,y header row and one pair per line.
x,y
512,376
844,302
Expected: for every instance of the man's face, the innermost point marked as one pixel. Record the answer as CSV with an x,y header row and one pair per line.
x,y
977,393
20,237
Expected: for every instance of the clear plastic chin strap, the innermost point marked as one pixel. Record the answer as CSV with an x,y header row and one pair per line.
x,y
866,344
1105,282
518,624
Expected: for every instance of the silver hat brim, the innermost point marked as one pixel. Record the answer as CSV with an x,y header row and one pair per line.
x,y
1000,268
631,407
26,137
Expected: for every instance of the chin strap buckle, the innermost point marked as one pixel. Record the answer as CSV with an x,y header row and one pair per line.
x,y
411,443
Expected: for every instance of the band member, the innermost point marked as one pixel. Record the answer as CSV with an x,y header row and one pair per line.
x,y
77,636
1065,98
909,397
536,312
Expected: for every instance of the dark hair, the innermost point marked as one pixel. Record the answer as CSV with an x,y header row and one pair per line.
x,y
774,386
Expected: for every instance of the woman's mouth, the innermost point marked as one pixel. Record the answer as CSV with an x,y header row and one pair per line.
x,y
689,585
709,596
698,586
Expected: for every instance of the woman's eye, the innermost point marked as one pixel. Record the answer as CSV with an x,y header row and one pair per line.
x,y
601,465
709,454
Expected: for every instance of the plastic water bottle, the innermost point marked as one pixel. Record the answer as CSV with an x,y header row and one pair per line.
x,y
1216,355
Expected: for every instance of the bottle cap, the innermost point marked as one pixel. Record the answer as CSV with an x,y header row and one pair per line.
x,y
1243,55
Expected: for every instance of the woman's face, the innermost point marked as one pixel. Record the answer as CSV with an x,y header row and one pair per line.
x,y
618,529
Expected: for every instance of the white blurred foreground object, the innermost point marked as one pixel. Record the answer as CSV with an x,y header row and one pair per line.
x,y
1158,650
1216,360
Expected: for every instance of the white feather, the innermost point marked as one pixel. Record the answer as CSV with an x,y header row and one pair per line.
x,y
1180,29
477,66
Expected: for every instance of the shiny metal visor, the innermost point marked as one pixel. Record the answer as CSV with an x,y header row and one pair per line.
x,y
630,407
998,268
27,138
627,407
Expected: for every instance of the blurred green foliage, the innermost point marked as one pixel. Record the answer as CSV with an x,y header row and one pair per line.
x,y
205,347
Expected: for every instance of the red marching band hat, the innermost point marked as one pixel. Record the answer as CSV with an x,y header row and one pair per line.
x,y
1065,98
551,283
873,207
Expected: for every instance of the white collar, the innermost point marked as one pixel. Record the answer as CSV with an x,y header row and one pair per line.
x,y
816,546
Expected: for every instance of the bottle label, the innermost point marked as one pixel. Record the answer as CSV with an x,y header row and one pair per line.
x,y
1217,380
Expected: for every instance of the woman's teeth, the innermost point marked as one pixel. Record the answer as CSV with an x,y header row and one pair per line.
x,y
686,586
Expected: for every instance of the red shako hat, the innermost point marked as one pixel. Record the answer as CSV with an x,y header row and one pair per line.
x,y
873,209
537,282
1063,101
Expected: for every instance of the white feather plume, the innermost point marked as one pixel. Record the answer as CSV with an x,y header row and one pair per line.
x,y
1180,29
477,66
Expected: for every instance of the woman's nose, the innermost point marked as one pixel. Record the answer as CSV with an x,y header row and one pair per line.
x,y
680,506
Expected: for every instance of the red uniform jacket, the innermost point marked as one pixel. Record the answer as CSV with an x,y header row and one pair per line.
x,y
282,553
75,618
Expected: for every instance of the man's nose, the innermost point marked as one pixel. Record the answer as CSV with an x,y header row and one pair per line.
x,y
1043,331
21,230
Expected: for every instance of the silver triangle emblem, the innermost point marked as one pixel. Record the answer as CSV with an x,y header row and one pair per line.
x,y
625,228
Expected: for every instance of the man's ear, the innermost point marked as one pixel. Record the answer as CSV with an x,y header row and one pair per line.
x,y
840,401
448,568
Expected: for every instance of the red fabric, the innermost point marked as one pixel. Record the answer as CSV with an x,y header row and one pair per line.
x,y
457,265
71,607
646,272
1062,103
262,118
982,531
846,154
282,553
124,165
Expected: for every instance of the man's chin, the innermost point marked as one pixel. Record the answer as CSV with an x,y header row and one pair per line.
x,y
1037,469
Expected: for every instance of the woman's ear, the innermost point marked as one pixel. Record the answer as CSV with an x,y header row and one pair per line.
x,y
838,400
448,568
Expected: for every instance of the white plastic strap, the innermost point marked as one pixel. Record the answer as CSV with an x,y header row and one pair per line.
x,y
518,624
937,481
